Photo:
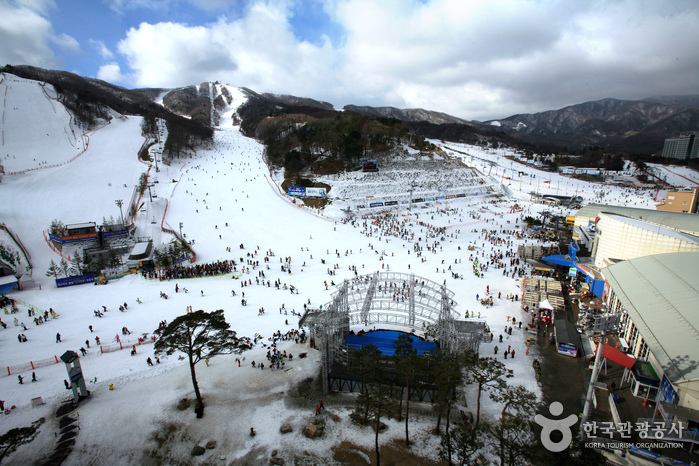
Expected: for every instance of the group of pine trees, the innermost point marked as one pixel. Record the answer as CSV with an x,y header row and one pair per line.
x,y
302,137
9,255
79,266
510,436
170,254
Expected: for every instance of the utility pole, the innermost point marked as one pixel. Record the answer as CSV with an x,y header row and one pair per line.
x,y
181,230
120,202
593,381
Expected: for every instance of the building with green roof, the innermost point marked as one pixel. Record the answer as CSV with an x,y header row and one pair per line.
x,y
659,298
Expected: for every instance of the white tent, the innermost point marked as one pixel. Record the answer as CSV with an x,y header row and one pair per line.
x,y
545,304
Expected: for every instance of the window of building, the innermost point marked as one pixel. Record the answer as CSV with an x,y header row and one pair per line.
x,y
643,353
632,337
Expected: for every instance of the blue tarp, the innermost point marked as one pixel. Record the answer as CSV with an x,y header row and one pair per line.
x,y
558,260
384,341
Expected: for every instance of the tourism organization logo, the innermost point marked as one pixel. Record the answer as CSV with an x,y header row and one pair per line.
x,y
663,431
551,425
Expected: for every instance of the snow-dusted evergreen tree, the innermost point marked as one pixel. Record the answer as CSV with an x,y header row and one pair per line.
x,y
114,260
58,228
76,264
64,266
8,255
54,270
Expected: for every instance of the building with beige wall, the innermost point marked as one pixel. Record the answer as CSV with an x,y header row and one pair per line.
x,y
675,220
686,201
585,224
619,238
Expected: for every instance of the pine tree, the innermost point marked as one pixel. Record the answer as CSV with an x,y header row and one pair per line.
x,y
487,373
76,264
406,361
365,364
176,250
199,335
101,263
57,228
14,438
449,376
64,266
114,260
514,434
462,443
54,270
381,400
9,255
447,372
88,264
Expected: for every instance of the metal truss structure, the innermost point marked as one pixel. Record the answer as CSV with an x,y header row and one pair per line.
x,y
388,298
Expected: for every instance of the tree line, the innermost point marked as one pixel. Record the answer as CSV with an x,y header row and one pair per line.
x,y
303,136
511,436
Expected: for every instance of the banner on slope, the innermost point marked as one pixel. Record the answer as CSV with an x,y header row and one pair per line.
x,y
77,280
315,192
296,191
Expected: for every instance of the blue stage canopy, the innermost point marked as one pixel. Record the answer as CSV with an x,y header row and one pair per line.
x,y
558,260
384,339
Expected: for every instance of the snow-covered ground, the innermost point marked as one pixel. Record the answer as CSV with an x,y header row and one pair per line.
x,y
225,197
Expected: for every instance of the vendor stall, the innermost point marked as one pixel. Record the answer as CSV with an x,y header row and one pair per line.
x,y
544,313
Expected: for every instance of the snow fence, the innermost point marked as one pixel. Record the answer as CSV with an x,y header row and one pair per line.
x,y
33,365
128,344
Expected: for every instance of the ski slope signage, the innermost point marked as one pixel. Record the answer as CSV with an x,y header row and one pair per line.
x,y
306,192
77,280
316,192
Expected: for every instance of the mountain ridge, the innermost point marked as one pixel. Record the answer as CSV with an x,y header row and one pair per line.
x,y
621,125
624,126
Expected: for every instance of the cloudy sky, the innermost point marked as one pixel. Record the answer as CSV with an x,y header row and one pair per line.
x,y
475,59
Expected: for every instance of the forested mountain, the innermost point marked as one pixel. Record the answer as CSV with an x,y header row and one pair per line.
x,y
619,126
616,125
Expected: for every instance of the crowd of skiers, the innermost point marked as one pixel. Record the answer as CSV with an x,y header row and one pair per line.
x,y
194,271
